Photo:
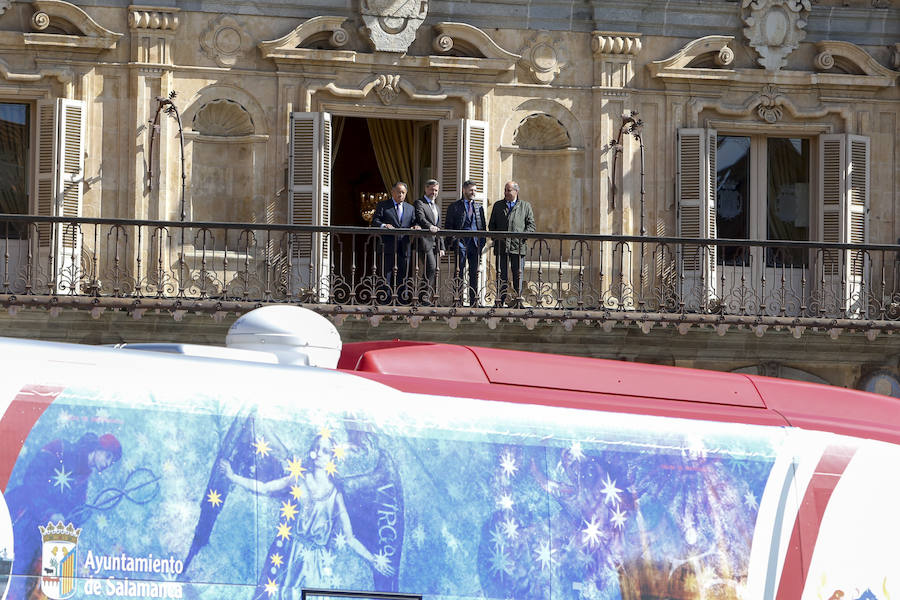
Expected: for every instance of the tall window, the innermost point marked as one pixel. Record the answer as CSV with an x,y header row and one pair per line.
x,y
762,193
14,180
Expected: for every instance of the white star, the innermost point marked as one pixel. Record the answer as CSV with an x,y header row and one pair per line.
x,y
575,451
497,536
62,479
381,561
508,464
419,535
618,518
544,554
511,528
499,562
750,501
340,540
610,491
591,534
505,502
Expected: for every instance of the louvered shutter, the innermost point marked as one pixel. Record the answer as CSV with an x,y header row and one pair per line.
x,y
462,155
59,183
844,188
696,200
309,202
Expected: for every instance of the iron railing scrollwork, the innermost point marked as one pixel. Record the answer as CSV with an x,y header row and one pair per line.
x,y
129,263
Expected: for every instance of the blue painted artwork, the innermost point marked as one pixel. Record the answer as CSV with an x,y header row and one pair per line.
x,y
182,494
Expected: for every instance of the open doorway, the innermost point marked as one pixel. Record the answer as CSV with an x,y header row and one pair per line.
x,y
368,157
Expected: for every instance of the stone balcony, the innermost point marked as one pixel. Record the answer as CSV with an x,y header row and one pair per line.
x,y
222,268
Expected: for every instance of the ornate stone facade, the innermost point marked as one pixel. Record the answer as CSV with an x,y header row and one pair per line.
x,y
548,82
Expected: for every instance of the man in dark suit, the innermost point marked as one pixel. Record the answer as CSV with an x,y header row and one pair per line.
x,y
511,214
395,213
468,215
431,247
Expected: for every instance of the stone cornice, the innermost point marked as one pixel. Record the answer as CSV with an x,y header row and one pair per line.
x,y
330,27
676,66
469,40
847,56
92,36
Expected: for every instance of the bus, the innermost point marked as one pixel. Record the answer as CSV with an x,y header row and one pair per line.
x,y
290,466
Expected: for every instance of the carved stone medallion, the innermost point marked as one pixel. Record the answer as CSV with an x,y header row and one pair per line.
x,y
775,28
543,57
224,41
391,25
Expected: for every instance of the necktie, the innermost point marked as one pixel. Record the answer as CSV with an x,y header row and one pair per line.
x,y
399,209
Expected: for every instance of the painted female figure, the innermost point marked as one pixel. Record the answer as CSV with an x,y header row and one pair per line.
x,y
323,516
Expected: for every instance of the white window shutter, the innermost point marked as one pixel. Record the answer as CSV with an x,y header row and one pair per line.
x,y
696,200
59,181
449,160
475,155
844,188
309,201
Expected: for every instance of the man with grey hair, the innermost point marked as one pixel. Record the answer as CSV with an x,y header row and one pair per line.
x,y
511,214
430,247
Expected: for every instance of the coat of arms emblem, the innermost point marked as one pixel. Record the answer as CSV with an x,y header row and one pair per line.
x,y
391,24
58,559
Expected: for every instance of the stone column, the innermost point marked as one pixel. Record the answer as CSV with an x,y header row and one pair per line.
x,y
614,56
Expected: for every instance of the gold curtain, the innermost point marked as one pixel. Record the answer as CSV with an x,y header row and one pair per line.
x,y
393,142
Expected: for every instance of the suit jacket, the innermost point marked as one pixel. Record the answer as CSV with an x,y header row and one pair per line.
x,y
425,218
520,218
456,216
386,214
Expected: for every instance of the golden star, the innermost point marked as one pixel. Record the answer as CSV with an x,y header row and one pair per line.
x,y
325,433
271,587
339,451
262,447
295,469
214,498
331,468
284,531
288,510
277,560
296,492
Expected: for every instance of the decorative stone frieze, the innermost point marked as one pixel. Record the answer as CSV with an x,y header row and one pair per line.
x,y
316,30
469,41
697,51
614,55
774,28
391,25
144,17
544,57
608,42
153,34
225,41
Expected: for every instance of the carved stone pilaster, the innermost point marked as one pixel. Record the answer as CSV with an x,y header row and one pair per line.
x,y
774,28
614,55
153,31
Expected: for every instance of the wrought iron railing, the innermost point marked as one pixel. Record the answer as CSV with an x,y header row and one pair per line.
x,y
139,264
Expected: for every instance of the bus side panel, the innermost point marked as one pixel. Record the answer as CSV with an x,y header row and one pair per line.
x,y
251,490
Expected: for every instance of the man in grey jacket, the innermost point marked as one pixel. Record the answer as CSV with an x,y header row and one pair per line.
x,y
511,214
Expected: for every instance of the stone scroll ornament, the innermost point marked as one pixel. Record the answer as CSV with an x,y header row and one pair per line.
x,y
391,25
774,28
